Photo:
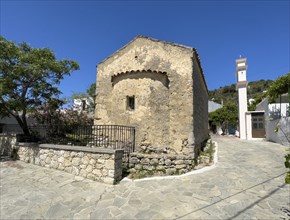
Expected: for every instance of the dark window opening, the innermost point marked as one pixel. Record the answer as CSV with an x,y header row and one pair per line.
x,y
83,105
131,102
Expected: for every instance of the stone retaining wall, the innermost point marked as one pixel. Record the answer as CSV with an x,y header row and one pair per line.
x,y
149,162
142,165
8,144
99,164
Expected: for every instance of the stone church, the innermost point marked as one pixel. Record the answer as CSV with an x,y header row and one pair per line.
x,y
160,89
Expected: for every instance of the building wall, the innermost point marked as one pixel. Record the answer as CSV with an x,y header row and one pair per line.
x,y
151,105
166,114
282,136
242,110
213,106
200,106
273,119
249,135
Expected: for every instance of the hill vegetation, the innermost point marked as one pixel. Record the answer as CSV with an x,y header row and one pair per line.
x,y
229,94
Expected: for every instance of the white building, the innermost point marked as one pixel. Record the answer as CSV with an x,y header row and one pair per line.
x,y
276,115
242,83
262,123
251,123
84,104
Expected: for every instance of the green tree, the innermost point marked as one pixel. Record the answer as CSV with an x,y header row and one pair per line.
x,y
92,90
227,115
279,87
28,78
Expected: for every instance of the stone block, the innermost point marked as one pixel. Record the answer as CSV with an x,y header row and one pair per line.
x,y
178,162
182,171
159,168
83,173
83,166
47,160
111,173
42,157
161,161
60,159
76,161
67,162
101,161
37,161
61,153
85,160
106,156
148,167
97,172
138,166
91,176
68,169
95,156
80,154
89,168
133,170
60,166
108,180
110,164
154,161
92,162
145,161
134,160
180,166
167,162
54,157
73,154
170,171
131,165
54,164
104,172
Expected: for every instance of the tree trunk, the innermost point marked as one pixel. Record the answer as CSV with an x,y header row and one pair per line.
x,y
23,124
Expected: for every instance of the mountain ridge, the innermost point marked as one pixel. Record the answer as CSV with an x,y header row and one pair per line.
x,y
229,95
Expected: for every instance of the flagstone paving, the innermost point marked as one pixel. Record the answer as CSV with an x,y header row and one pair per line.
x,y
247,183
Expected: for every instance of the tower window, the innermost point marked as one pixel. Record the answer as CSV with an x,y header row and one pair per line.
x,y
130,102
84,105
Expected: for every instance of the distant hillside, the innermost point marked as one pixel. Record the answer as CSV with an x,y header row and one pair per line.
x,y
228,94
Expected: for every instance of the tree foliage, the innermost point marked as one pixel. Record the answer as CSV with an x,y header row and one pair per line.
x,y
279,87
91,91
229,94
51,115
29,78
227,115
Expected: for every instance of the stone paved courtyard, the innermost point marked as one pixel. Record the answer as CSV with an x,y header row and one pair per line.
x,y
247,183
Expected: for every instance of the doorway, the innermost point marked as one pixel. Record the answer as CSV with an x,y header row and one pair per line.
x,y
258,125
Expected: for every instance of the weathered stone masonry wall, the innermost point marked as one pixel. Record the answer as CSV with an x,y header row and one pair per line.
x,y
200,106
7,144
164,115
163,164
102,165
160,165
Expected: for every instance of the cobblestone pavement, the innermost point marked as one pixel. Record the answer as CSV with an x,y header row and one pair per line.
x,y
247,183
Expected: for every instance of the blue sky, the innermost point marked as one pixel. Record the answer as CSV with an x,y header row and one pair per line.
x,y
89,31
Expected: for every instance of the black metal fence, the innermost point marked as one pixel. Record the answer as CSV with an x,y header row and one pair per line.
x,y
107,136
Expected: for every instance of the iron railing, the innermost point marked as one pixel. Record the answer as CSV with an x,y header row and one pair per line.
x,y
106,136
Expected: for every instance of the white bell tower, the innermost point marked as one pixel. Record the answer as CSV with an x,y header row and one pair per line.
x,y
242,83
